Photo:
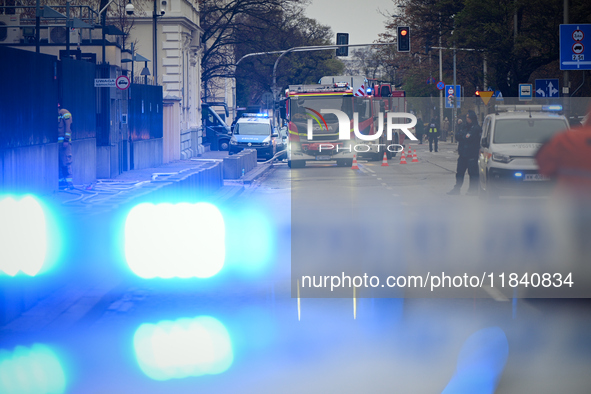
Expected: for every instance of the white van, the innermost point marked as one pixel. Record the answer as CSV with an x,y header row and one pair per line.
x,y
510,139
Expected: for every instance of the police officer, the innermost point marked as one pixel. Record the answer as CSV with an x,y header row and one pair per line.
x,y
64,139
433,135
468,138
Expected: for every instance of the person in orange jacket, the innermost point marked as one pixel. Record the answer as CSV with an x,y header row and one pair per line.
x,y
64,139
567,158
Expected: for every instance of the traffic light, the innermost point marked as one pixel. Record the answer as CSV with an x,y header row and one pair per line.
x,y
343,39
403,39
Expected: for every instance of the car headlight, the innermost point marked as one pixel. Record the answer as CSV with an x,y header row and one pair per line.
x,y
233,142
501,158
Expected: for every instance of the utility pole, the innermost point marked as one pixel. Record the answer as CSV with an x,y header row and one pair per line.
x,y
565,76
440,74
155,48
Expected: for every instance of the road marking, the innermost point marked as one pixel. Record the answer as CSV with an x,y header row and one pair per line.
x,y
379,179
389,188
383,184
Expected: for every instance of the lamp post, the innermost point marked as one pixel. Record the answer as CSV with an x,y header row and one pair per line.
x,y
155,15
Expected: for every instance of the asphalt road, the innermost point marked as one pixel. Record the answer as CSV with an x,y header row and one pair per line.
x,y
246,331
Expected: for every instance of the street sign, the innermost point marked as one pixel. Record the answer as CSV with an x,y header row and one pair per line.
x,y
525,91
547,88
449,93
122,82
104,83
440,85
573,41
498,95
485,96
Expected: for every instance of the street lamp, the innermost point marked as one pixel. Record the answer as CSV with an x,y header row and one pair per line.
x,y
129,10
145,72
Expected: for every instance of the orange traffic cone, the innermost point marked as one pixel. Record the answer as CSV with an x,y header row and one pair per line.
x,y
354,166
385,160
403,158
415,159
409,155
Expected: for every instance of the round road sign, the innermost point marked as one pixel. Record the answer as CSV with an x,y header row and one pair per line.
x,y
578,35
578,48
450,91
122,82
440,85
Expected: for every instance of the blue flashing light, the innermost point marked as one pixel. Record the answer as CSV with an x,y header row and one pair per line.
x,y
183,348
181,240
480,363
251,242
552,107
518,174
23,236
35,370
368,90
253,115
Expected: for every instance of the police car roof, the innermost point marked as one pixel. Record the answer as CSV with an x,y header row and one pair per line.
x,y
263,120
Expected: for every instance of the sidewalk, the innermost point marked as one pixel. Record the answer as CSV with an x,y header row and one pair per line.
x,y
195,178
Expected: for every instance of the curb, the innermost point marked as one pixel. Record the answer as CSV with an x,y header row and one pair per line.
x,y
256,173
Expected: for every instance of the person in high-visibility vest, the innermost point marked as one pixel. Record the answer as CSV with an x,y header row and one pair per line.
x,y
64,139
433,135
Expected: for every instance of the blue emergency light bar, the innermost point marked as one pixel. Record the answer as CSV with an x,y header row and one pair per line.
x,y
252,115
553,107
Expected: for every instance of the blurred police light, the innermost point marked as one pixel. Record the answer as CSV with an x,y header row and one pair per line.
x,y
251,244
175,240
31,371
23,236
480,363
183,348
552,107
518,174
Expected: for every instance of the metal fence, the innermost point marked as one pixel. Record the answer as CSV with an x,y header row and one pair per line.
x,y
77,94
28,103
145,112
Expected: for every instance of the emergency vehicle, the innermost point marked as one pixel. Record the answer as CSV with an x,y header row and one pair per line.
x,y
304,106
384,98
254,131
511,136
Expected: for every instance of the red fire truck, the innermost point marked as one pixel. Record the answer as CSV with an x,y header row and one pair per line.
x,y
314,135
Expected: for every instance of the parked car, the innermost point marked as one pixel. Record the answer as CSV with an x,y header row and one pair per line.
x,y
215,130
254,131
510,139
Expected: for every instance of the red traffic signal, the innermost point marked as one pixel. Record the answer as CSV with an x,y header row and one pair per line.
x,y
403,38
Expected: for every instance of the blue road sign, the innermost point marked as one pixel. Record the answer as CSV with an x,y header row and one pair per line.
x,y
449,95
498,95
525,91
575,47
440,85
547,88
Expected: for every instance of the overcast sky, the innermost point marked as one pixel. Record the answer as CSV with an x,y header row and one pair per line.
x,y
360,18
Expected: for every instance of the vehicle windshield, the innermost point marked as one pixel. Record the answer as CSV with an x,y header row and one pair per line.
x,y
301,110
520,131
252,129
